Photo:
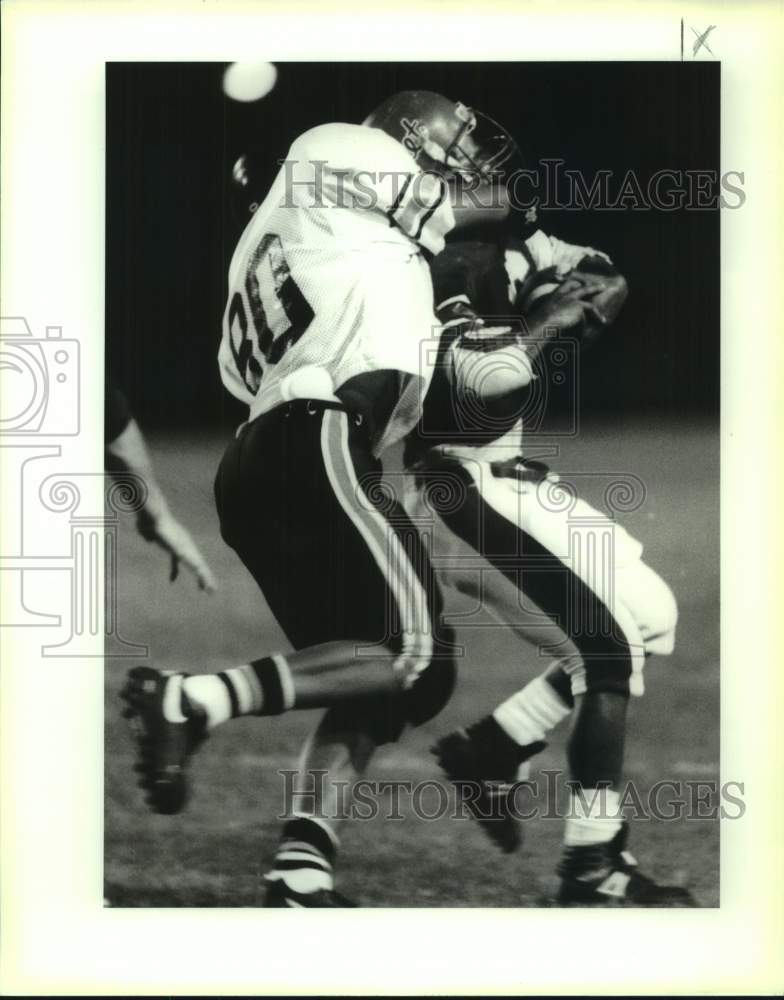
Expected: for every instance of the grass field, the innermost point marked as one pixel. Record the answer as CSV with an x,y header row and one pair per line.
x,y
214,854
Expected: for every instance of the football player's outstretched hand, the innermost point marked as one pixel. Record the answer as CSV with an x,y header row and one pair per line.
x,y
570,304
613,289
175,538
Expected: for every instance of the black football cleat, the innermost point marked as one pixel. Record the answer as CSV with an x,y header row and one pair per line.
x,y
482,763
607,875
279,894
167,729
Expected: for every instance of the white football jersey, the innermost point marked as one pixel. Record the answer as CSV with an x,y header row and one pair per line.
x,y
329,280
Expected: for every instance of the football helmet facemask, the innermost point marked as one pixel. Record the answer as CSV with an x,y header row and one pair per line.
x,y
444,135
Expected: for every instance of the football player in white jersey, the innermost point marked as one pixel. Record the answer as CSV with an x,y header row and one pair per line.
x,y
330,299
597,609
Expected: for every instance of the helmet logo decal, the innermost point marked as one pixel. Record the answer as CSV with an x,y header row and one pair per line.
x,y
415,135
465,114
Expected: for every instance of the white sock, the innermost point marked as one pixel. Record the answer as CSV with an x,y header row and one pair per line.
x,y
304,879
531,713
263,687
208,692
594,817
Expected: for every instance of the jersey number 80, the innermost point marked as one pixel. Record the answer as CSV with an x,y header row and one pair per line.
x,y
264,342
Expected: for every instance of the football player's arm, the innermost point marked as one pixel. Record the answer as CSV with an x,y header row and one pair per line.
x,y
570,308
609,300
126,452
495,363
483,361
543,295
589,263
494,373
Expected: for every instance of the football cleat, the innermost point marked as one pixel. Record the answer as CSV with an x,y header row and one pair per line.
x,y
481,783
607,875
279,894
167,729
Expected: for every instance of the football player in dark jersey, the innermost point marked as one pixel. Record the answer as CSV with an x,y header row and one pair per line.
x,y
473,485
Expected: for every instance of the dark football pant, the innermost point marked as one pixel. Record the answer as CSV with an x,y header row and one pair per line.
x,y
301,500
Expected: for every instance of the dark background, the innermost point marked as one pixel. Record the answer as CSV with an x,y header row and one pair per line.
x,y
172,137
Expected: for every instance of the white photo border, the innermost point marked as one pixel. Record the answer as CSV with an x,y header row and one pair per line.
x,y
57,937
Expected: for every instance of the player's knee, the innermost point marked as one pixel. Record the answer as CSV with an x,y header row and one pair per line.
x,y
608,661
429,684
431,690
658,630
613,676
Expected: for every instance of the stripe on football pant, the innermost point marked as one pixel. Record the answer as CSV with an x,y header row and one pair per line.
x,y
385,547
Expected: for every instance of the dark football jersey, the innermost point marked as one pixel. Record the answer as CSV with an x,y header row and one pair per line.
x,y
474,268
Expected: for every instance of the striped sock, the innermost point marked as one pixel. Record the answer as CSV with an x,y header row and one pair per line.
x,y
594,817
529,715
305,856
263,687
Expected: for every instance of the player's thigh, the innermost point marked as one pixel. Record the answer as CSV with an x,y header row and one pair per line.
x,y
333,559
608,559
651,603
274,505
541,558
592,546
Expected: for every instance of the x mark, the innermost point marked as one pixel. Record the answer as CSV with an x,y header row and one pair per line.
x,y
702,40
